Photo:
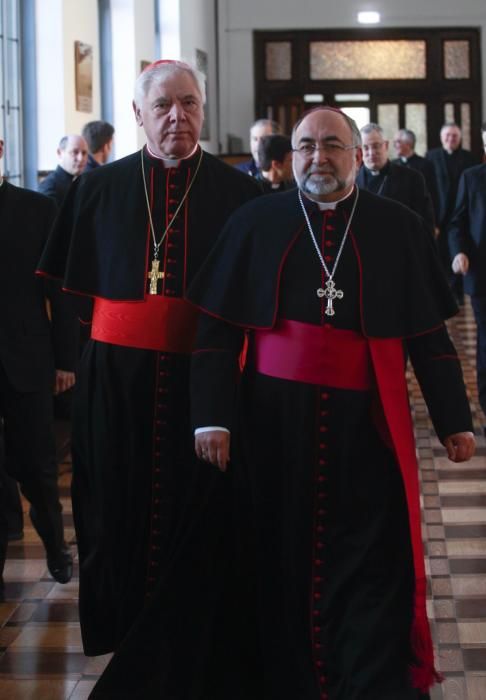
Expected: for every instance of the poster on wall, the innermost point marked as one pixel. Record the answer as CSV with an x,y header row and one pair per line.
x,y
202,65
83,68
144,65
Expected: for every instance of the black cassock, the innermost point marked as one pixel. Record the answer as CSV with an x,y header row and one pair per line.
x,y
147,513
324,561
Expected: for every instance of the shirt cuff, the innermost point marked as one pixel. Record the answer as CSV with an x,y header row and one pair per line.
x,y
210,427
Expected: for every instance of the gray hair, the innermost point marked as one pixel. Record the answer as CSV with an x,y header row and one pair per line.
x,y
275,126
369,128
158,71
407,135
355,134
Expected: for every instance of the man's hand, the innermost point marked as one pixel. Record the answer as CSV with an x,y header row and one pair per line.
x,y
64,381
460,446
460,264
214,446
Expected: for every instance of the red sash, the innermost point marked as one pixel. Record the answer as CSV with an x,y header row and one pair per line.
x,y
157,323
303,352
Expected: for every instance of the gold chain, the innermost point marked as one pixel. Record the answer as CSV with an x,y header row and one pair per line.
x,y
157,245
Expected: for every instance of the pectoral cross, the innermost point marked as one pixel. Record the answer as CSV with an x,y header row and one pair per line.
x,y
154,276
331,293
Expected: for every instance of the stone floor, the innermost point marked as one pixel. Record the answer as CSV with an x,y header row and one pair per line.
x,y
41,655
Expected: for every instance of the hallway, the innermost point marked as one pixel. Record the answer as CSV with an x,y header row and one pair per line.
x,y
40,648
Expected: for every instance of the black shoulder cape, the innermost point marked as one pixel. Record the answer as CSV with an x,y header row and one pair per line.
x,y
98,245
403,289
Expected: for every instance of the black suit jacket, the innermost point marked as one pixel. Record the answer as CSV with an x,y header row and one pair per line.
x,y
406,186
56,185
467,231
30,346
424,166
447,187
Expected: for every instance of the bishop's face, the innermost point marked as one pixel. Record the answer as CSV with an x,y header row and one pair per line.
x,y
171,114
327,171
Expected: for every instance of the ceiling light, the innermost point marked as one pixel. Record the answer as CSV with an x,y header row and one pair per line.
x,y
369,17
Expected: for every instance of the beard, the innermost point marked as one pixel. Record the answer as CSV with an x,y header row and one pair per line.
x,y
326,183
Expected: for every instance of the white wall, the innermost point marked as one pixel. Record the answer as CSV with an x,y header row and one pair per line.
x,y
198,31
133,41
238,19
59,23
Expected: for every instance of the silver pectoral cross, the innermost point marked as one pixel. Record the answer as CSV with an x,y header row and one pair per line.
x,y
331,293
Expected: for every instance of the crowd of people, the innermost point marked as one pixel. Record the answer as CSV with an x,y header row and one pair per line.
x,y
245,485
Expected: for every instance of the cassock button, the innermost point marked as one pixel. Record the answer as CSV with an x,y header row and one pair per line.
x,y
317,595
328,258
320,479
329,243
324,395
319,544
319,664
317,629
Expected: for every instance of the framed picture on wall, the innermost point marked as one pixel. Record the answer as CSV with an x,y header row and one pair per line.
x,y
202,65
144,65
83,72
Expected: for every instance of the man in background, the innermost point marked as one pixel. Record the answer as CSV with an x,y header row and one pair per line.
x,y
384,178
72,154
275,158
258,130
99,137
449,161
467,243
36,359
404,144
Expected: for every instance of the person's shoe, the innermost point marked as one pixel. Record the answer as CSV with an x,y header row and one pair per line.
x,y
2,590
60,565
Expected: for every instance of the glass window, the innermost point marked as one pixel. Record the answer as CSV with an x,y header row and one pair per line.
x,y
466,124
416,121
368,60
456,60
10,101
388,119
278,60
449,113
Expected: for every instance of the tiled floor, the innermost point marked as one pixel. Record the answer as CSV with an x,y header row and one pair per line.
x,y
40,648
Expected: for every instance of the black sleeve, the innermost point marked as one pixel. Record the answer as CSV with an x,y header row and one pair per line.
x,y
64,326
215,372
438,371
458,233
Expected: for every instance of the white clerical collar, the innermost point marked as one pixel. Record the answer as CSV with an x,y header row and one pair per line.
x,y
332,205
171,162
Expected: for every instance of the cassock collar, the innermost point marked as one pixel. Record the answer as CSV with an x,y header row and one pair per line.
x,y
184,163
344,204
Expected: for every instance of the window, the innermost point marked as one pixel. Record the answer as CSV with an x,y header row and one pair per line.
x,y
10,89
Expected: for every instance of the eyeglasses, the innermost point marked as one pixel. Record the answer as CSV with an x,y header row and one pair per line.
x,y
330,149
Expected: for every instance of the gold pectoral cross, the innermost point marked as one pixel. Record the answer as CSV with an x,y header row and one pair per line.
x,y
154,276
